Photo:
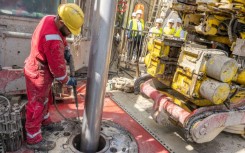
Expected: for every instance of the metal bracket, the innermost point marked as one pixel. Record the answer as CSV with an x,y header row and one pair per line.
x,y
239,48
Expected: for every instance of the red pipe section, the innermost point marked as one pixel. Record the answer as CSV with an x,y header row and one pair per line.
x,y
163,102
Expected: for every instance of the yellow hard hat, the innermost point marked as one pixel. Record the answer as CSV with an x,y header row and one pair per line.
x,y
72,16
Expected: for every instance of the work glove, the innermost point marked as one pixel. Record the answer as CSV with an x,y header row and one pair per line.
x,y
67,55
72,81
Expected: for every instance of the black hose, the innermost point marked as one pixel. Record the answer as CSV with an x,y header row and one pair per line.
x,y
222,32
57,109
76,100
139,81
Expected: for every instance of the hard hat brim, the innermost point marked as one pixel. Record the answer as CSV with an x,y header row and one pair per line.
x,y
75,32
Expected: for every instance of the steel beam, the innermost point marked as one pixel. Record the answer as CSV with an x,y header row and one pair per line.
x,y
102,36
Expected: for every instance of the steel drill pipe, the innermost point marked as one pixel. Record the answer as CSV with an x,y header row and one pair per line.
x,y
104,14
164,102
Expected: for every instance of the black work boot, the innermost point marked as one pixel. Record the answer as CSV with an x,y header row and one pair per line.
x,y
44,145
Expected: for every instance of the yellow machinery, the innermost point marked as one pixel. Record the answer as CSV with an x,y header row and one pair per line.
x,y
207,69
197,70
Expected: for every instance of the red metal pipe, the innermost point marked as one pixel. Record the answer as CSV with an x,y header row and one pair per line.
x,y
163,102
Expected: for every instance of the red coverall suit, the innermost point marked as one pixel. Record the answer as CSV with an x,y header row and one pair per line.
x,y
45,63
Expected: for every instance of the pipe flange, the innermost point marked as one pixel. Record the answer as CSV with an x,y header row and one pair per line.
x,y
76,140
113,138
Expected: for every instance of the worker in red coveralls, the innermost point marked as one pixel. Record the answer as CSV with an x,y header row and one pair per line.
x,y
45,63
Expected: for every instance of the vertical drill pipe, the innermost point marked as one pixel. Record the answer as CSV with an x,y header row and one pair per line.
x,y
100,51
162,101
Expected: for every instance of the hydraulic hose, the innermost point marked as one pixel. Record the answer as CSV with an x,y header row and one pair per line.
x,y
72,74
57,109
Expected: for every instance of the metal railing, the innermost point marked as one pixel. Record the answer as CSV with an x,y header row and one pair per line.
x,y
135,46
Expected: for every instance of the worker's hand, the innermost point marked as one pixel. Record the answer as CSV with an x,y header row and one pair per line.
x,y
67,55
72,81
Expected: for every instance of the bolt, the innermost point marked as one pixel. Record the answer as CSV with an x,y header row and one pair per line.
x,y
207,56
203,131
206,125
201,73
194,95
199,78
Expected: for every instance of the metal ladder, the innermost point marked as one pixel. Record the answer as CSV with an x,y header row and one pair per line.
x,y
165,7
154,13
159,9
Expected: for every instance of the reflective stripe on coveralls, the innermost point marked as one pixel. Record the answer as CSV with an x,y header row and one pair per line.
x,y
61,78
46,101
46,116
53,37
33,135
